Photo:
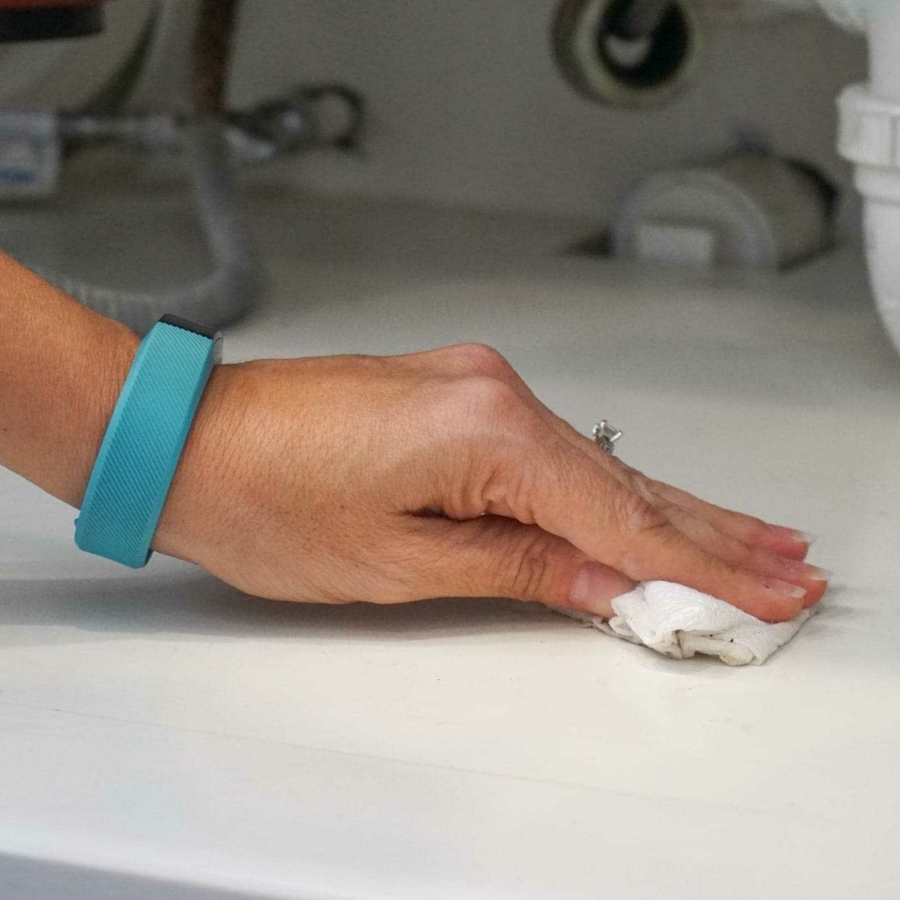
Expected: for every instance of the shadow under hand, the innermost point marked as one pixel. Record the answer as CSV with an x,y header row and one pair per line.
x,y
180,606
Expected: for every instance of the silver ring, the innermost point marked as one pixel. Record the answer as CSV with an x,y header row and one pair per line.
x,y
605,436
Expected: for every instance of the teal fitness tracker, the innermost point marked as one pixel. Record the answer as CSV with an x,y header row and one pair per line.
x,y
144,440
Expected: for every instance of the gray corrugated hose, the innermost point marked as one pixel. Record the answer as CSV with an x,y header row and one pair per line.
x,y
235,282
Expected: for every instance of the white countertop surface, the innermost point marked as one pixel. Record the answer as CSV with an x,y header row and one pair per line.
x,y
162,735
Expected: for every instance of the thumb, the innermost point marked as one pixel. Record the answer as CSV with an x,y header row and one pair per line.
x,y
493,556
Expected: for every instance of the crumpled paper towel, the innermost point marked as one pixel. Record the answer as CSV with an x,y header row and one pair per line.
x,y
680,622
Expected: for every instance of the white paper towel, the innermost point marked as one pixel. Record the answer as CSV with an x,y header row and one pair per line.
x,y
680,622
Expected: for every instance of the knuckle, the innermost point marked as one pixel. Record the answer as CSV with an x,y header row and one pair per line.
x,y
488,398
514,489
529,570
635,515
484,359
480,425
652,486
648,489
637,483
755,530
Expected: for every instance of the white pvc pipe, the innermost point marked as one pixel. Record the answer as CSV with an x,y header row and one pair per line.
x,y
850,14
881,222
869,131
883,30
881,187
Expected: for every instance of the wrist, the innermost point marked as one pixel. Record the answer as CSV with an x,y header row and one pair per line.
x,y
190,520
62,367
115,349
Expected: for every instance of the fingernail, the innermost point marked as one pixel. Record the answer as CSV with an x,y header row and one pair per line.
x,y
801,537
595,587
806,570
817,573
784,587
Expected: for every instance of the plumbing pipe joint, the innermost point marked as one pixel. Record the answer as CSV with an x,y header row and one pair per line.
x,y
869,137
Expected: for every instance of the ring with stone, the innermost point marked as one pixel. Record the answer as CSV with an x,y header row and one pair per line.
x,y
605,436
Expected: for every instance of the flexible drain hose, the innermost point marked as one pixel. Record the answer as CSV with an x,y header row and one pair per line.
x,y
233,285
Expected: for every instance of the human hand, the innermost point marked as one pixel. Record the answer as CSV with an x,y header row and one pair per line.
x,y
392,479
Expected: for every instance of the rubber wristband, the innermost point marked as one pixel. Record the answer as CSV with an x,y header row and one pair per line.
x,y
144,441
